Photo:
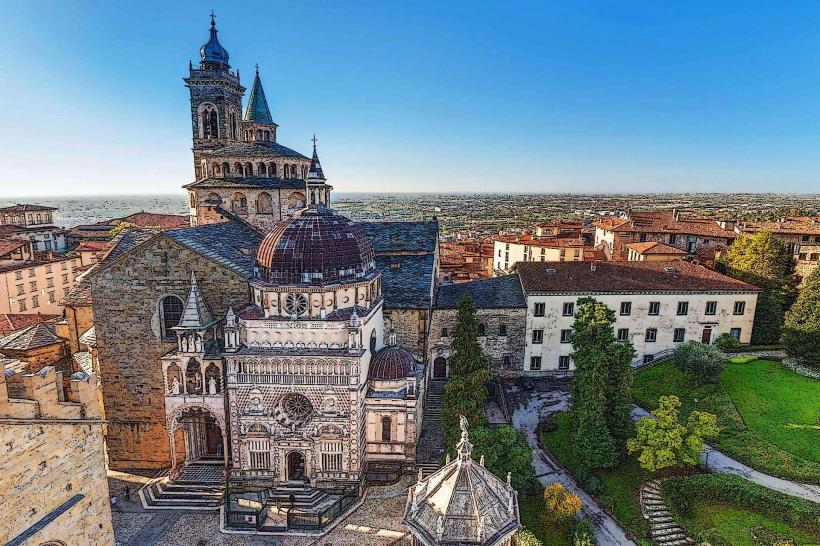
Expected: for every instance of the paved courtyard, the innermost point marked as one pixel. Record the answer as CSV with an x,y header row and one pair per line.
x,y
376,522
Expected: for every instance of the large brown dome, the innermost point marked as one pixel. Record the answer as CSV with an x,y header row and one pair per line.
x,y
316,246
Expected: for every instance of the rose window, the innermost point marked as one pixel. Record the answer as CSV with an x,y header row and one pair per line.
x,y
296,304
293,410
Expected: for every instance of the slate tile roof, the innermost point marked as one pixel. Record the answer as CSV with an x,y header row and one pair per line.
x,y
89,337
80,294
392,237
407,280
33,337
11,322
232,244
503,292
624,277
254,149
249,182
257,109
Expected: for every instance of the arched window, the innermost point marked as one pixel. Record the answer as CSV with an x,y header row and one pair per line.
x,y
234,125
171,312
226,168
193,377
507,360
214,125
294,172
192,199
373,339
237,168
262,169
214,199
387,425
264,203
239,203
249,169
296,200
502,330
272,170
213,379
286,173
482,329
216,169
174,373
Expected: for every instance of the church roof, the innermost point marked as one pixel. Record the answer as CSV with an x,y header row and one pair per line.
x,y
257,110
195,314
232,244
503,292
315,172
249,182
407,280
461,504
33,337
262,148
212,51
391,363
391,237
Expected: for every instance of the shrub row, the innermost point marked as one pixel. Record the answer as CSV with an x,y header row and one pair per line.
x,y
681,495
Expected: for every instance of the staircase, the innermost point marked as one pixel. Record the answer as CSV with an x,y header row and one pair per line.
x,y
200,486
662,527
431,443
434,401
303,498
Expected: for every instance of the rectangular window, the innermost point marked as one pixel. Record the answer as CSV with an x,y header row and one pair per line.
x,y
65,278
32,273
735,332
50,282
654,308
569,309
626,308
651,334
648,358
683,308
740,307
48,268
566,336
563,362
538,336
623,334
539,309
51,298
535,362
21,289
21,303
642,237
331,455
672,238
680,334
445,332
64,266
33,285
259,451
35,302
711,307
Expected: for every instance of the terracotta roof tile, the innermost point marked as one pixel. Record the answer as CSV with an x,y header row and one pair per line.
x,y
624,277
654,247
11,322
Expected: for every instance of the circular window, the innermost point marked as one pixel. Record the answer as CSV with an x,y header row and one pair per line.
x,y
297,407
296,304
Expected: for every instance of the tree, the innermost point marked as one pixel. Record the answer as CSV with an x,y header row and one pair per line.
x,y
801,330
505,449
727,343
705,362
465,392
762,260
664,442
561,504
600,402
525,537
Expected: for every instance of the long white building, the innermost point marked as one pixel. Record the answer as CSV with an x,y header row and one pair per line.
x,y
657,306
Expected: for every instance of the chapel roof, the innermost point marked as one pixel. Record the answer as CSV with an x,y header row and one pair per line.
x,y
392,362
249,182
257,110
260,148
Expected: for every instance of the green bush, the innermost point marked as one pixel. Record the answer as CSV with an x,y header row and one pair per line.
x,y
581,533
588,480
705,362
681,495
728,343
801,331
525,537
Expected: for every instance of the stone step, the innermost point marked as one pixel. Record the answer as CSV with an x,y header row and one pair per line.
x,y
650,496
663,525
663,519
653,502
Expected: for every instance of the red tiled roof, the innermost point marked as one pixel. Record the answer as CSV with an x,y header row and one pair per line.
x,y
8,246
624,277
25,208
793,225
654,247
11,322
91,246
152,219
665,222
548,242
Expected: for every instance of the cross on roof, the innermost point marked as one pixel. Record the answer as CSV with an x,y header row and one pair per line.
x,y
212,18
314,139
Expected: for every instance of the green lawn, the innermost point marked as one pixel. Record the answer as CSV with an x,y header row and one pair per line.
x,y
730,525
620,485
767,414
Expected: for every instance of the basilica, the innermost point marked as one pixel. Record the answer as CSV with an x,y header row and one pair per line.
x,y
275,339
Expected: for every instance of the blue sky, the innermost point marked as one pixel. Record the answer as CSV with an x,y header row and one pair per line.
x,y
425,96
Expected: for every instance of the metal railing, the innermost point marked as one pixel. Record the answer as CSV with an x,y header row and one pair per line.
x,y
642,362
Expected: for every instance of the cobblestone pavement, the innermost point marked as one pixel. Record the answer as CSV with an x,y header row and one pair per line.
x,y
376,522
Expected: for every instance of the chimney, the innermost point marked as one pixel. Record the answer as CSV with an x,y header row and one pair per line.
x,y
592,266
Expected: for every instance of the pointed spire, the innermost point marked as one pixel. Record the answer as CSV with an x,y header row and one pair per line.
x,y
213,52
315,172
196,312
257,110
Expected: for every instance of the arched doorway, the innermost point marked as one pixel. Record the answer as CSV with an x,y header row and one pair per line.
x,y
296,466
440,368
201,434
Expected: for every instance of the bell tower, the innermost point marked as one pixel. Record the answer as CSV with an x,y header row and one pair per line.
x,y
216,101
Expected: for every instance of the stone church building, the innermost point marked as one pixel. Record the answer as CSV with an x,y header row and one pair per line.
x,y
274,335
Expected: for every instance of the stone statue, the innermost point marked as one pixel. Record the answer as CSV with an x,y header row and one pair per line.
x,y
175,386
212,385
464,424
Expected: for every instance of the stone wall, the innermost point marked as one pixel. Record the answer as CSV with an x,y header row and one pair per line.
x,y
79,319
126,298
495,346
410,326
53,458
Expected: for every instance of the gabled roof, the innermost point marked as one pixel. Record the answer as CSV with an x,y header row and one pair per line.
x,y
11,322
407,280
654,247
503,292
7,246
618,277
196,314
89,337
257,110
153,220
33,337
232,244
26,208
249,182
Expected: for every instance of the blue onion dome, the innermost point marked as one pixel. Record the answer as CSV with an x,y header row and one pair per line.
x,y
213,52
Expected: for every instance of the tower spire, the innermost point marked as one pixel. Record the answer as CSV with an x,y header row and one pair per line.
x,y
257,110
213,52
315,173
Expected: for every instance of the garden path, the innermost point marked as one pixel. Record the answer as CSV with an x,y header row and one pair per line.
x,y
533,406
717,461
